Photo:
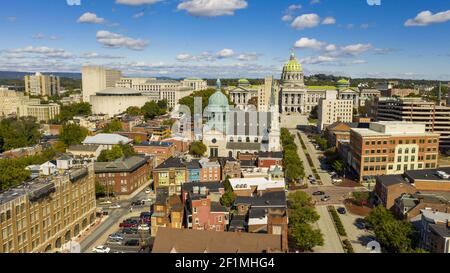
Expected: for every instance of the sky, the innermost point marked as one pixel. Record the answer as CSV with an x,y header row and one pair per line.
x,y
229,38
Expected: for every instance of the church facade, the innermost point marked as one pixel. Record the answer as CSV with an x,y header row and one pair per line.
x,y
229,132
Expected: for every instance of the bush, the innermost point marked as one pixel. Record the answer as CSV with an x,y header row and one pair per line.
x,y
348,246
337,221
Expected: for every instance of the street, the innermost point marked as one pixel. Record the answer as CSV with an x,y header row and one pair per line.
x,y
111,224
357,237
332,243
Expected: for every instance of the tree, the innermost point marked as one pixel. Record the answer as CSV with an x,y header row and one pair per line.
x,y
114,126
127,150
228,197
303,237
197,149
18,133
338,166
78,109
12,173
134,111
72,134
254,101
111,155
203,94
151,110
100,190
162,104
378,216
314,112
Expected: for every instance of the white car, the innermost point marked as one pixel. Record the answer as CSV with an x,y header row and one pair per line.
x,y
144,228
116,206
101,249
148,191
337,180
106,203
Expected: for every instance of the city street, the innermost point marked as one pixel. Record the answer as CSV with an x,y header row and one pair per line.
x,y
337,194
332,243
111,223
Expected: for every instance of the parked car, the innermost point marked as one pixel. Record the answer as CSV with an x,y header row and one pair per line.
x,y
148,191
318,193
360,223
146,215
116,236
325,198
342,210
115,206
132,243
143,227
138,203
129,223
106,203
337,180
114,242
101,249
311,177
129,231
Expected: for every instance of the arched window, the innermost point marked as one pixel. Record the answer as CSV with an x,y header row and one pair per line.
x,y
231,139
240,139
400,150
406,151
248,139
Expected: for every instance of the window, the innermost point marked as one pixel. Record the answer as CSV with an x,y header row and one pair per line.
x,y
400,150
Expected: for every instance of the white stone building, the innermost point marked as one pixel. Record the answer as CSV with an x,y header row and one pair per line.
x,y
332,109
229,132
97,78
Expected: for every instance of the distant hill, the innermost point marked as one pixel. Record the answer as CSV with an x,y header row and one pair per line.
x,y
20,75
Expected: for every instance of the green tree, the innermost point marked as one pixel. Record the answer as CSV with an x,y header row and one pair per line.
x,y
228,198
197,149
114,126
78,109
18,133
134,111
150,110
111,155
100,190
12,173
303,237
127,150
314,113
72,134
338,166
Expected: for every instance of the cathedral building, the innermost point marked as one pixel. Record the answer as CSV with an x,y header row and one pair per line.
x,y
229,132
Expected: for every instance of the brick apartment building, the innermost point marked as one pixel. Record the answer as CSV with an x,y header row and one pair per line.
x,y
124,176
392,148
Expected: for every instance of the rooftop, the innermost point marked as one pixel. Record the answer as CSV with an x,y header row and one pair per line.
x,y
430,174
121,165
156,144
202,241
389,180
260,183
83,148
266,200
172,162
392,128
118,91
441,229
107,139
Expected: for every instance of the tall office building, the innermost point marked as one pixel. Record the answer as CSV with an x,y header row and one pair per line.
x,y
42,85
97,78
435,117
265,92
331,109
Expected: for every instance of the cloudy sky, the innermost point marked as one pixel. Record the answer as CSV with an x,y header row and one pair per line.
x,y
228,38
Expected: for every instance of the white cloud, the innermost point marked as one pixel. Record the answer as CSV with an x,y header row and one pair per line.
x,y
309,43
95,55
44,51
329,21
73,2
90,18
317,60
212,8
137,2
287,18
293,8
11,19
426,18
330,48
38,36
364,26
356,49
184,57
138,15
249,56
225,53
114,40
306,21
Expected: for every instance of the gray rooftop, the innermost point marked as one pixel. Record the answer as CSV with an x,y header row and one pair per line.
x,y
441,229
430,174
121,165
389,180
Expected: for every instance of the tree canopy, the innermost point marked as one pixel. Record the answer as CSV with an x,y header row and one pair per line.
x,y
116,152
228,198
197,149
78,109
153,109
293,165
18,133
114,126
204,95
72,134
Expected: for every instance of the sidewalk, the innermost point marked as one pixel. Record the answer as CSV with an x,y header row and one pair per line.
x,y
90,229
136,192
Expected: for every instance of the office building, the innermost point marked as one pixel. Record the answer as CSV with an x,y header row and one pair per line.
x,y
42,85
436,118
195,84
331,109
42,112
392,148
116,100
97,78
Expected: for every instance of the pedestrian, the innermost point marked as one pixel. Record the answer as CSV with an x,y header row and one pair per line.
x,y
131,209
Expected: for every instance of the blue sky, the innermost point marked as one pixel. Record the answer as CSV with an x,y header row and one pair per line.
x,y
228,38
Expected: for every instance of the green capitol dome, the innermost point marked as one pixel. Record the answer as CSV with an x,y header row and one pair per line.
x,y
343,83
292,65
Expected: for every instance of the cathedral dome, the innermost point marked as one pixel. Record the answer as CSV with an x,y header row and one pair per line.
x,y
292,65
218,99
